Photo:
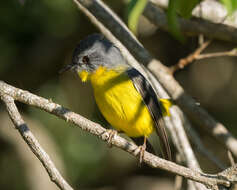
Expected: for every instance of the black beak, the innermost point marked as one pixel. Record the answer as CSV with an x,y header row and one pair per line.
x,y
66,68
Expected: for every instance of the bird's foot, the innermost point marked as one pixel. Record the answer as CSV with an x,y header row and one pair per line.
x,y
141,154
142,151
111,133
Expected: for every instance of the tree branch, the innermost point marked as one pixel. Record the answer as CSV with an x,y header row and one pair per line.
x,y
193,26
32,142
211,10
9,94
210,24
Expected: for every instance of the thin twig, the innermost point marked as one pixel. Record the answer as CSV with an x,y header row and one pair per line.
x,y
200,39
184,142
231,159
178,179
211,181
232,52
191,186
196,55
33,143
178,182
198,143
200,146
190,58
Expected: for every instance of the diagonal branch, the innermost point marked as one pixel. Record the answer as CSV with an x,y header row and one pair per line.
x,y
33,143
9,94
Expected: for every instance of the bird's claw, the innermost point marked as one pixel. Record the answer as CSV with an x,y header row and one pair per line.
x,y
111,133
142,151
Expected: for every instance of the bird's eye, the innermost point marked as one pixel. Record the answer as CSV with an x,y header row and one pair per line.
x,y
85,60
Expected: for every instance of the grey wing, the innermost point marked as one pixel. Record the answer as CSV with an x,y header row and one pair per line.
x,y
154,107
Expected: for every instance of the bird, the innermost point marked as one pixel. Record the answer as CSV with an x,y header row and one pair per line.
x,y
124,96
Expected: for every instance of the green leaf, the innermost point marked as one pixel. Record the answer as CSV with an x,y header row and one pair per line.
x,y
135,9
231,5
174,27
185,7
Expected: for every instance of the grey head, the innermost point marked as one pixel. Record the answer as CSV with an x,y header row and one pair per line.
x,y
94,51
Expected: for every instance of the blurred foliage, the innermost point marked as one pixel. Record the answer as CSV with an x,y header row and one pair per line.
x,y
172,20
30,28
37,39
134,11
231,5
8,164
184,8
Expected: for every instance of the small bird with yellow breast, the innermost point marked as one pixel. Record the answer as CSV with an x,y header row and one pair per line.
x,y
123,95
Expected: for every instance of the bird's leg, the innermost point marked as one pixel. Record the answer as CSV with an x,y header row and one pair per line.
x,y
111,133
142,150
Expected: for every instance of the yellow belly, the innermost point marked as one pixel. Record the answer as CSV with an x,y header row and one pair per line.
x,y
121,104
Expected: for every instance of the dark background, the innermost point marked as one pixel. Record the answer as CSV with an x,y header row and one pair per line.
x,y
36,40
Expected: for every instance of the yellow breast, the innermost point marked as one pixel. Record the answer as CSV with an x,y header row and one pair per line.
x,y
120,103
